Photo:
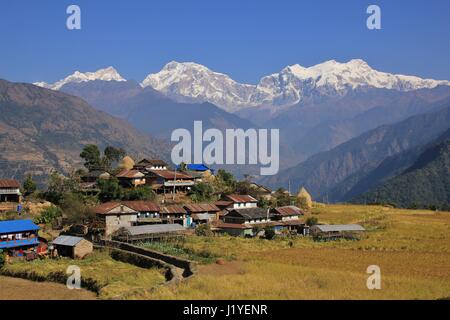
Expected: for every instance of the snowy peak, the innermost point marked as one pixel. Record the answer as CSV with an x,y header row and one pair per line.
x,y
294,83
106,74
188,81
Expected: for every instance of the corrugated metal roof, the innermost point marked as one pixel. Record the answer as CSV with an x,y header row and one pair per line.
x,y
154,162
142,206
338,227
12,226
154,228
173,209
9,183
201,207
68,241
288,211
241,198
130,174
170,175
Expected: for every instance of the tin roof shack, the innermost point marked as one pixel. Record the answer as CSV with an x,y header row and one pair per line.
x,y
113,215
253,219
131,178
18,237
153,232
10,191
202,213
175,214
289,219
242,201
336,231
73,247
152,164
165,181
148,211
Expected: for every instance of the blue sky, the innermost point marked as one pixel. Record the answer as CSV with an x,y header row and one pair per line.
x,y
245,39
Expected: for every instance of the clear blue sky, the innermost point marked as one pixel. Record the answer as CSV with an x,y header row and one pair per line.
x,y
243,38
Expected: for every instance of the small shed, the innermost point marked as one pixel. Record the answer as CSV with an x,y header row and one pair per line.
x,y
336,231
74,247
150,232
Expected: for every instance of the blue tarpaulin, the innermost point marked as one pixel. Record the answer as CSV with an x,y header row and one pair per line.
x,y
18,243
14,226
196,167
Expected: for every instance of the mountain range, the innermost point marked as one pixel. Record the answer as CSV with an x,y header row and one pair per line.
x,y
41,130
368,160
345,128
192,82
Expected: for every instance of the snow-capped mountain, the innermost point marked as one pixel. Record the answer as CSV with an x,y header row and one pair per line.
x,y
331,78
194,82
107,74
187,82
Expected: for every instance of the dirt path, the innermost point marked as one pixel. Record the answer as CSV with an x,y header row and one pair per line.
x,y
19,289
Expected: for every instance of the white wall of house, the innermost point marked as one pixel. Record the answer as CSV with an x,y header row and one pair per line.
x,y
244,205
115,222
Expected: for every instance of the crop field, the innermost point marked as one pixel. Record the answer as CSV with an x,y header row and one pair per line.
x,y
115,279
412,249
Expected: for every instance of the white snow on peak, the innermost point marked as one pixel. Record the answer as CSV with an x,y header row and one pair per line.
x,y
332,78
106,74
189,81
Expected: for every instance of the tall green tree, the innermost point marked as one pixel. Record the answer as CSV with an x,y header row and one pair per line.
x,y
29,186
109,189
91,156
112,155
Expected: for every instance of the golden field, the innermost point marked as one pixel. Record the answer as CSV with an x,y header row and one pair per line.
x,y
412,248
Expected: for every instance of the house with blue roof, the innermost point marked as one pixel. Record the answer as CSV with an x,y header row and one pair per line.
x,y
18,236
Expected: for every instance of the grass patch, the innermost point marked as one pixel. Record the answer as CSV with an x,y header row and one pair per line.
x,y
180,250
110,278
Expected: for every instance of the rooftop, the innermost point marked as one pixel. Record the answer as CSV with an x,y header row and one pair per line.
x,y
241,198
287,211
201,207
339,227
11,226
9,183
68,241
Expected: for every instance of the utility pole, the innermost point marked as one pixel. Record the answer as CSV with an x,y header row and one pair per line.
x,y
174,184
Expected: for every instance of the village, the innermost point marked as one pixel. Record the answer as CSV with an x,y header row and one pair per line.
x,y
157,203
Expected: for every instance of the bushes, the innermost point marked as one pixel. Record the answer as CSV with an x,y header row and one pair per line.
x,y
48,215
269,233
312,221
139,193
203,230
2,259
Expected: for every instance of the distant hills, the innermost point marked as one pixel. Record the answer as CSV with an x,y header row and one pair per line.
x,y
354,167
425,184
42,129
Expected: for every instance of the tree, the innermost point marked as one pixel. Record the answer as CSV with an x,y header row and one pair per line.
x,y
58,185
91,157
74,209
201,192
2,258
29,186
139,193
282,198
311,221
269,233
183,166
304,200
109,189
112,155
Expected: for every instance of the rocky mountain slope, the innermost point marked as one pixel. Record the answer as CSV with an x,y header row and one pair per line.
x,y
42,129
